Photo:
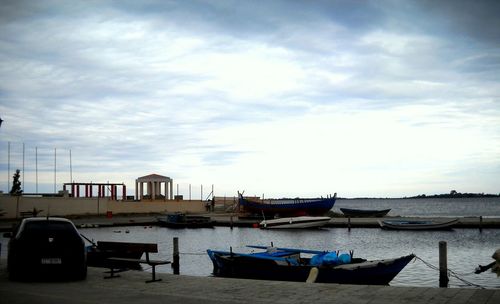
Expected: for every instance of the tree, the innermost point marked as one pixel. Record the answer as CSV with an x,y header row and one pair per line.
x,y
16,184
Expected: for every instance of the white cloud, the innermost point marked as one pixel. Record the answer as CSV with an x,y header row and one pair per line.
x,y
323,98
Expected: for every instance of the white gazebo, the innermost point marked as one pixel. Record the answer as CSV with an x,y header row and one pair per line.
x,y
154,185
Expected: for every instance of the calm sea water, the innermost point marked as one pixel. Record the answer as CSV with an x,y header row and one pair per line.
x,y
467,248
446,207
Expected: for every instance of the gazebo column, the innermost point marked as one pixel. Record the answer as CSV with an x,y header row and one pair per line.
x,y
171,189
142,190
153,196
137,190
166,190
157,189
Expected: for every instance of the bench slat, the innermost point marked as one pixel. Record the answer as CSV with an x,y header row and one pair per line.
x,y
150,262
128,247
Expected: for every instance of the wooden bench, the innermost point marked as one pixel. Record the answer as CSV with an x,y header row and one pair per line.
x,y
116,263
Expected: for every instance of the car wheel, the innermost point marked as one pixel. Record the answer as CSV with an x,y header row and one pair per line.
x,y
81,273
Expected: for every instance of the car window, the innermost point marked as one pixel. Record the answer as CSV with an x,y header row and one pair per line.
x,y
40,229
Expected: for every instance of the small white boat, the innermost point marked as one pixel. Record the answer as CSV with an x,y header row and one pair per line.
x,y
295,222
417,224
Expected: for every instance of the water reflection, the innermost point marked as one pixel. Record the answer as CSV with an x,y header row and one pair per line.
x,y
466,247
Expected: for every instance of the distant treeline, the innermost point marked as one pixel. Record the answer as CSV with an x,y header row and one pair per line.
x,y
455,195
452,194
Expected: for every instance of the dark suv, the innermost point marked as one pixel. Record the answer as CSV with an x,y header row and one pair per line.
x,y
46,248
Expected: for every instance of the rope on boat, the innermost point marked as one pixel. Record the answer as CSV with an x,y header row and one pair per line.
x,y
451,273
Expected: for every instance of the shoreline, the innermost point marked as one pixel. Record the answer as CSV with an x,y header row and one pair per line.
x,y
226,220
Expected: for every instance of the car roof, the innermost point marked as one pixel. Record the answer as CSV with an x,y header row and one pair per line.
x,y
52,219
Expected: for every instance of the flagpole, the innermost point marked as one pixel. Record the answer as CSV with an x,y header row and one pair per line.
x,y
8,168
70,168
22,185
36,168
55,168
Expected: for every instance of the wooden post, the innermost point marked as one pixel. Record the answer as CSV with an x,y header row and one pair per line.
x,y
481,223
175,264
231,223
443,265
349,223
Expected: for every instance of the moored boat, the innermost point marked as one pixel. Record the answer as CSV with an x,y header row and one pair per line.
x,y
288,207
364,213
417,224
296,222
287,264
181,220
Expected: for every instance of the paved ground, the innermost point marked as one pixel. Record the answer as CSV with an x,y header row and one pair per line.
x,y
131,288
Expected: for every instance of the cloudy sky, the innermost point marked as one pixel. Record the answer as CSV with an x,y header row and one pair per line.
x,y
282,98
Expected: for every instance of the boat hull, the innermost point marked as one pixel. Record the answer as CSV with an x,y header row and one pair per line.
x,y
417,225
364,213
181,220
300,222
292,207
378,272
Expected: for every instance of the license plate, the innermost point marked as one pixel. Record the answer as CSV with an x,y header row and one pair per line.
x,y
51,261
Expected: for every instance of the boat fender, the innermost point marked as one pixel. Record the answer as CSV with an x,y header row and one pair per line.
x,y
331,258
317,260
496,267
344,258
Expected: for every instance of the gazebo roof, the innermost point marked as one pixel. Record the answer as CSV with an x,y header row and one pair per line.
x,y
154,178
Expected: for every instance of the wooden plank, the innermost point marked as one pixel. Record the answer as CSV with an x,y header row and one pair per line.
x,y
495,298
463,296
481,296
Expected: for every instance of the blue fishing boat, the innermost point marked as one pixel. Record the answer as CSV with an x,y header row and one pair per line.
x,y
288,264
288,207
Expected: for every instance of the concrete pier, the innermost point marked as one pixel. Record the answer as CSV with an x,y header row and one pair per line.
x,y
131,288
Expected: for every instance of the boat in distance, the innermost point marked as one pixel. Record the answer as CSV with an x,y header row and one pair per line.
x,y
182,220
417,224
364,212
297,222
288,207
287,264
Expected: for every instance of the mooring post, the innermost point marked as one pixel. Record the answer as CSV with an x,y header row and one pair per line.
x,y
175,264
481,223
349,223
231,223
443,265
